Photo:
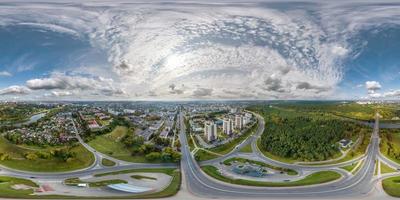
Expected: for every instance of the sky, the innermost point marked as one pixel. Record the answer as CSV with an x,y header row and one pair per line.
x,y
193,50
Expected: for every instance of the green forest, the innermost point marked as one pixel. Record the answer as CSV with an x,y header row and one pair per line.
x,y
303,135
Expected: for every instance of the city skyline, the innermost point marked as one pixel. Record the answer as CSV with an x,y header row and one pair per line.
x,y
199,50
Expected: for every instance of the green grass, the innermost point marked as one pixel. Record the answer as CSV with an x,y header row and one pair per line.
x,y
386,169
140,177
106,162
244,160
76,181
392,186
6,190
376,168
202,155
110,144
17,160
246,149
118,133
349,168
312,179
228,147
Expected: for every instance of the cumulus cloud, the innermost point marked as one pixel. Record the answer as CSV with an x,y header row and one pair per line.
x,y
61,93
202,92
14,90
5,73
372,86
80,84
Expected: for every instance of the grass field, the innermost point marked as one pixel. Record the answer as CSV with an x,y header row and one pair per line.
x,y
107,163
246,149
17,160
111,145
202,155
392,186
312,179
7,191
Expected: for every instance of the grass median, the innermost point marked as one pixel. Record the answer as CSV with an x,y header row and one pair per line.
x,y
392,186
312,179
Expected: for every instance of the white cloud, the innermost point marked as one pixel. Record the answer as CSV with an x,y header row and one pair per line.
x,y
5,73
65,84
372,86
14,90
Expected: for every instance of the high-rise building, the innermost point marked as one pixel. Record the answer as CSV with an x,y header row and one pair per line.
x,y
210,131
227,126
238,122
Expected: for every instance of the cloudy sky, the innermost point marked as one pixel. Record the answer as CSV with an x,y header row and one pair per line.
x,y
131,50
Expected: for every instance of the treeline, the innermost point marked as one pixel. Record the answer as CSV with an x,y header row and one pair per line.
x,y
390,143
305,137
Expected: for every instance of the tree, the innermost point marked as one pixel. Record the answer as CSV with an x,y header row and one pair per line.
x,y
153,156
31,156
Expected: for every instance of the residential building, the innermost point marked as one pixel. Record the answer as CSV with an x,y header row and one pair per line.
x,y
210,131
238,122
227,126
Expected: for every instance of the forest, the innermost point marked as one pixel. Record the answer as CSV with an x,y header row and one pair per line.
x,y
305,136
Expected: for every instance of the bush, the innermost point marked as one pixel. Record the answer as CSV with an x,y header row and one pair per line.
x,y
153,156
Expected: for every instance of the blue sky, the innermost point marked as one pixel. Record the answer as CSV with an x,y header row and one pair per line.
x,y
231,50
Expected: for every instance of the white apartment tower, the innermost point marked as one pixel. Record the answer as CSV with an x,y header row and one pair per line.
x,y
227,126
238,122
210,131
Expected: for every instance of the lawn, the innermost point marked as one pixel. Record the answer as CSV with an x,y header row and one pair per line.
x,y
17,160
243,160
312,179
111,145
7,191
386,169
246,149
392,186
107,163
202,155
